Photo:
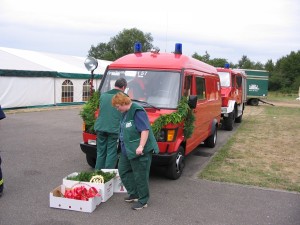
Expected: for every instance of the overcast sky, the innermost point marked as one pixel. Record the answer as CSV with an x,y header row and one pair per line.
x,y
259,29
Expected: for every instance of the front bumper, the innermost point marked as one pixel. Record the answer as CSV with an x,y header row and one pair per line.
x,y
89,149
163,159
160,159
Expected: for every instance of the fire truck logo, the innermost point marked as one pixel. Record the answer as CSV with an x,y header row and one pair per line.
x,y
253,87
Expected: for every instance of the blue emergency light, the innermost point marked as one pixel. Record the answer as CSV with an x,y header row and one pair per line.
x,y
178,48
137,47
226,65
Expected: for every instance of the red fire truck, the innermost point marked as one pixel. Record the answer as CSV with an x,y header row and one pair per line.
x,y
234,95
158,82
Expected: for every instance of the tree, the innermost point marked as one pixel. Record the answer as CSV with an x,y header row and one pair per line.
x,y
102,51
217,62
121,44
287,72
258,66
245,63
269,66
205,58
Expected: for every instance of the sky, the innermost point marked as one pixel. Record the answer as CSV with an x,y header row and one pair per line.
x,y
260,29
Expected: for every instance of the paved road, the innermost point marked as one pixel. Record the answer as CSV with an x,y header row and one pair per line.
x,y
38,149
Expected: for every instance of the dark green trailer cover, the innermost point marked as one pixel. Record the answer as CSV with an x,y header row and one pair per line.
x,y
257,83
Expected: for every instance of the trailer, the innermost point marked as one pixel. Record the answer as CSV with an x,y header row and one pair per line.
x,y
257,85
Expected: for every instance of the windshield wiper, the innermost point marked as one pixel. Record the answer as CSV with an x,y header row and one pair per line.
x,y
145,103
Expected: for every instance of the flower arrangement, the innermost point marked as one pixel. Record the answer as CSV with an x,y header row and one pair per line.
x,y
183,113
88,112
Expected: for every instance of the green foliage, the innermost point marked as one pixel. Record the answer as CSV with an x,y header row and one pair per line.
x,y
286,74
86,176
205,58
245,63
183,113
216,62
269,66
88,112
121,44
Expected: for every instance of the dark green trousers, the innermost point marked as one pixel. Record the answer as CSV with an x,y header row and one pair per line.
x,y
107,151
134,174
1,179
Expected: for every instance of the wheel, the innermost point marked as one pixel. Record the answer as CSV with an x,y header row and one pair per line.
x,y
212,139
91,161
229,121
253,102
175,169
239,119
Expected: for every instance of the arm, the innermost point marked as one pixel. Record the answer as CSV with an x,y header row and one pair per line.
x,y
144,138
142,125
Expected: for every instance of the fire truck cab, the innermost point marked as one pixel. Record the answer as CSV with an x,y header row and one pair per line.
x,y
234,96
158,82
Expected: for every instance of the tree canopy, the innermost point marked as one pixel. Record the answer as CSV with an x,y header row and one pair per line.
x,y
121,44
285,75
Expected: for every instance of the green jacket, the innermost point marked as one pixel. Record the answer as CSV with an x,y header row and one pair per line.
x,y
131,136
109,117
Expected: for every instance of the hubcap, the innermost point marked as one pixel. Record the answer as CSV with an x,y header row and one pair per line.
x,y
179,162
215,137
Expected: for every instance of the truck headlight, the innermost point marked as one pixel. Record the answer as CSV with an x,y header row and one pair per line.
x,y
166,135
92,142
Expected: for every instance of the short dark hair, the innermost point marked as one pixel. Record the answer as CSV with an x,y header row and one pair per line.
x,y
121,82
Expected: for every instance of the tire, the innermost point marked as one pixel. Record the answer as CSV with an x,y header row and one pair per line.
x,y
253,102
239,119
229,121
91,161
212,139
175,169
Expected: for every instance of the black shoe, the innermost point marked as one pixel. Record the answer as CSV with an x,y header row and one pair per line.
x,y
138,206
131,198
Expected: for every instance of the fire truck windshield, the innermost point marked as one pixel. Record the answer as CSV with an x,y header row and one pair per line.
x,y
157,88
224,78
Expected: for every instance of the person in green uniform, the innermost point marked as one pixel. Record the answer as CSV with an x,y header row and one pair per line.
x,y
137,143
107,128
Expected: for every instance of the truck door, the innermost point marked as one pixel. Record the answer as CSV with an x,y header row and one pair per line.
x,y
239,89
197,87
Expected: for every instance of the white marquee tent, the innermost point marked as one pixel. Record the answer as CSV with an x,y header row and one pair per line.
x,y
29,78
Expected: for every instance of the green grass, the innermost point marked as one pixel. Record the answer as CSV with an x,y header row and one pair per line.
x,y
263,152
277,96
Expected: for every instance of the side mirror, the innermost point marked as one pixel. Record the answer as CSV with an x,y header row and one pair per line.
x,y
192,101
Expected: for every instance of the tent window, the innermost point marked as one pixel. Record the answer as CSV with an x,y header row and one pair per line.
x,y
67,91
86,90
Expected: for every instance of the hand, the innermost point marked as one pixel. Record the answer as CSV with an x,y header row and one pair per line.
x,y
139,150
